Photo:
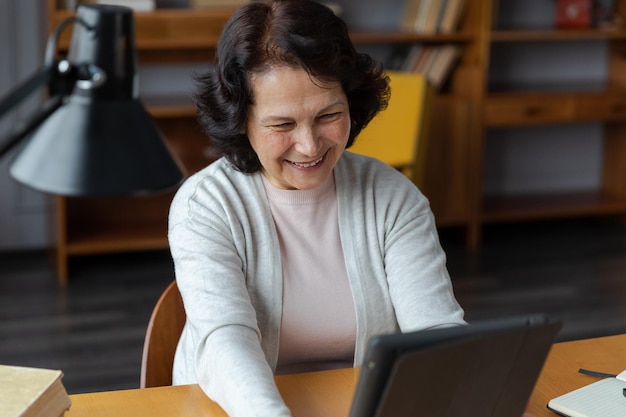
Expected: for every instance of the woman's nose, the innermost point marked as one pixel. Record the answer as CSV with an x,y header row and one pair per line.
x,y
307,142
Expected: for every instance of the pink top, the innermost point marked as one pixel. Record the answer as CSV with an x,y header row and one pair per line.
x,y
318,328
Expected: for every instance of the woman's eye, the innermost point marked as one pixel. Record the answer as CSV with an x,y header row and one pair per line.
x,y
330,116
283,126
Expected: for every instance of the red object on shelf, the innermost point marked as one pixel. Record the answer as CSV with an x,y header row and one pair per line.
x,y
574,14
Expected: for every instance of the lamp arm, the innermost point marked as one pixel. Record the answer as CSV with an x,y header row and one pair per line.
x,y
16,96
59,76
45,75
53,39
19,93
24,128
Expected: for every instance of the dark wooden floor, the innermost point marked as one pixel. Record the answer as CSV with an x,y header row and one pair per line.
x,y
572,270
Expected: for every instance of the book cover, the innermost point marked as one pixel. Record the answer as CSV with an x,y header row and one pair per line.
x,y
32,392
411,58
430,61
451,16
604,398
442,66
422,15
430,24
422,59
136,5
573,14
409,17
440,13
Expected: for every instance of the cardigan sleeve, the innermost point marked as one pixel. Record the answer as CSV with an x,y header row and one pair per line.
x,y
400,279
414,261
418,279
221,340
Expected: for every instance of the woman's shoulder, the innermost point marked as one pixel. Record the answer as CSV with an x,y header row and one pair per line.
x,y
361,168
216,183
362,177
215,176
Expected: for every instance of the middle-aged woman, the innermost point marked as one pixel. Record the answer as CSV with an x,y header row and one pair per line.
x,y
290,252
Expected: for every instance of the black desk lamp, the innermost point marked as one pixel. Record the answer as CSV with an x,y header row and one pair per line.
x,y
92,136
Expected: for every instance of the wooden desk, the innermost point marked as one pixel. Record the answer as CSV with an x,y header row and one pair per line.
x,y
560,373
329,393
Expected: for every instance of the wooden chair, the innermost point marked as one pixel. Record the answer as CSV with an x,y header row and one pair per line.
x,y
164,330
398,135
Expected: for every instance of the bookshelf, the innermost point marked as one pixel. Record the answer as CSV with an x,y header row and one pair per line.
x,y
469,107
526,106
90,226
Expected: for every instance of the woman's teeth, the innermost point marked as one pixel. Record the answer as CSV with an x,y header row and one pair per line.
x,y
308,164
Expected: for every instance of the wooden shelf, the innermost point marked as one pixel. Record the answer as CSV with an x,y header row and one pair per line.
x,y
167,29
555,35
115,241
516,106
532,108
551,206
409,37
165,34
169,107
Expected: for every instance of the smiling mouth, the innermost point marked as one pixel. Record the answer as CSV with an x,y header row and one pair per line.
x,y
308,164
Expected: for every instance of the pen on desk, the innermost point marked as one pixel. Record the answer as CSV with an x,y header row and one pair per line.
x,y
596,374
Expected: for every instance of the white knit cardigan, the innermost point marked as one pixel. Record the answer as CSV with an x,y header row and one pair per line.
x,y
228,268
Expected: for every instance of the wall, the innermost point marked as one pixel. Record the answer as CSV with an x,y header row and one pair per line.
x,y
24,213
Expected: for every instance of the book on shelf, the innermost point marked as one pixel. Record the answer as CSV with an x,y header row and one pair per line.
x,y
424,61
32,392
409,61
442,65
435,62
136,5
422,14
451,16
432,16
573,14
204,4
411,9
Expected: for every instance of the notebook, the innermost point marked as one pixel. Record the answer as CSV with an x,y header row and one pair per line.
x,y
486,368
604,398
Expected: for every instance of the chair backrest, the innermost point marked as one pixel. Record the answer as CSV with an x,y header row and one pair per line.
x,y
398,135
164,330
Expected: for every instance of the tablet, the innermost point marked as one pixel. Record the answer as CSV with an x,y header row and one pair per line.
x,y
486,368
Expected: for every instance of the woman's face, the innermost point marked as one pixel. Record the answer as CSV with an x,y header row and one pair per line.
x,y
297,126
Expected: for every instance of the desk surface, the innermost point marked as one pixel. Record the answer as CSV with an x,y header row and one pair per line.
x,y
329,393
560,373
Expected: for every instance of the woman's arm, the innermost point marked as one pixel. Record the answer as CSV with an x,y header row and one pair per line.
x,y
223,335
419,284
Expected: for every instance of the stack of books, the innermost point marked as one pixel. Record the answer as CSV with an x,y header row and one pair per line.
x,y
32,392
432,16
434,61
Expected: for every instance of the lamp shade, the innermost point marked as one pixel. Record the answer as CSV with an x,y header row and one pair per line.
x,y
97,147
101,141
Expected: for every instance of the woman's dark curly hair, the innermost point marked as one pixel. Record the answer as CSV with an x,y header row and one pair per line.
x,y
293,33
